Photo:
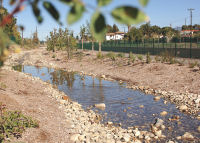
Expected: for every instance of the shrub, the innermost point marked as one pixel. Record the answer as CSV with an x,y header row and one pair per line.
x,y
157,58
79,55
130,55
181,63
121,55
99,55
111,55
193,64
54,56
172,60
140,57
13,123
148,58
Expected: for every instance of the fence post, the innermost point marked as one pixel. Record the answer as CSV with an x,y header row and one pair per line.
x,y
144,47
175,48
153,47
190,46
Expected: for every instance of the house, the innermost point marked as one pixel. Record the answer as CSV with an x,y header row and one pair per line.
x,y
186,33
115,36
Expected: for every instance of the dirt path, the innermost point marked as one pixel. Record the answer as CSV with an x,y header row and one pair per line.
x,y
29,96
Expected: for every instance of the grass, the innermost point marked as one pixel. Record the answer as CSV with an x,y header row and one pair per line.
x,y
148,58
140,57
111,55
121,55
131,58
99,55
14,123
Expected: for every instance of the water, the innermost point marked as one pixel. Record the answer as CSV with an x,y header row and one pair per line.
x,y
122,104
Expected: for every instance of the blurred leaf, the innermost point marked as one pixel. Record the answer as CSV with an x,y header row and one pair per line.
x,y
36,12
75,13
51,9
128,15
66,1
12,2
98,26
143,2
103,2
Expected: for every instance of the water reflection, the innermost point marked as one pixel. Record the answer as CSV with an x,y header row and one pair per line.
x,y
122,105
61,77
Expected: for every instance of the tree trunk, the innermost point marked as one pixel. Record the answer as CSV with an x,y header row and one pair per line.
x,y
1,3
92,45
82,44
100,46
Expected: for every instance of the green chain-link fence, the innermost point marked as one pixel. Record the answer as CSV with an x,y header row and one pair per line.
x,y
184,47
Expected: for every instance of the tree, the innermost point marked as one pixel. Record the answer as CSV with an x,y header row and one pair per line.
x,y
109,28
115,28
155,31
146,30
122,14
10,28
134,34
82,33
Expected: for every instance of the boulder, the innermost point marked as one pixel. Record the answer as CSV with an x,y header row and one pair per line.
x,y
163,113
158,123
101,106
187,136
156,98
183,108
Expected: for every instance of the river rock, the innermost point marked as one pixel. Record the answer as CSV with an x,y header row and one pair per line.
x,y
126,137
170,141
103,76
158,123
188,136
136,132
158,133
183,108
156,98
74,137
198,129
101,106
163,113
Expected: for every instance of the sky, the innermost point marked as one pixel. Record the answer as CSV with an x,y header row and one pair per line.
x,y
161,13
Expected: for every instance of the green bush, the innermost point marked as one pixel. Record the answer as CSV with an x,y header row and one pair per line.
x,y
148,58
13,123
140,57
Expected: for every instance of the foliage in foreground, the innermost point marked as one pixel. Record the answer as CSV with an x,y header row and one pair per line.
x,y
13,123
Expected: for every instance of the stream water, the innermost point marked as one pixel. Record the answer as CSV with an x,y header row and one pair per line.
x,y
125,106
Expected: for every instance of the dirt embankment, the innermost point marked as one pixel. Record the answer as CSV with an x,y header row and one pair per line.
x,y
27,95
31,98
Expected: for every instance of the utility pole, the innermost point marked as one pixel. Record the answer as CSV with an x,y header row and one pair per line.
x,y
190,9
185,21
